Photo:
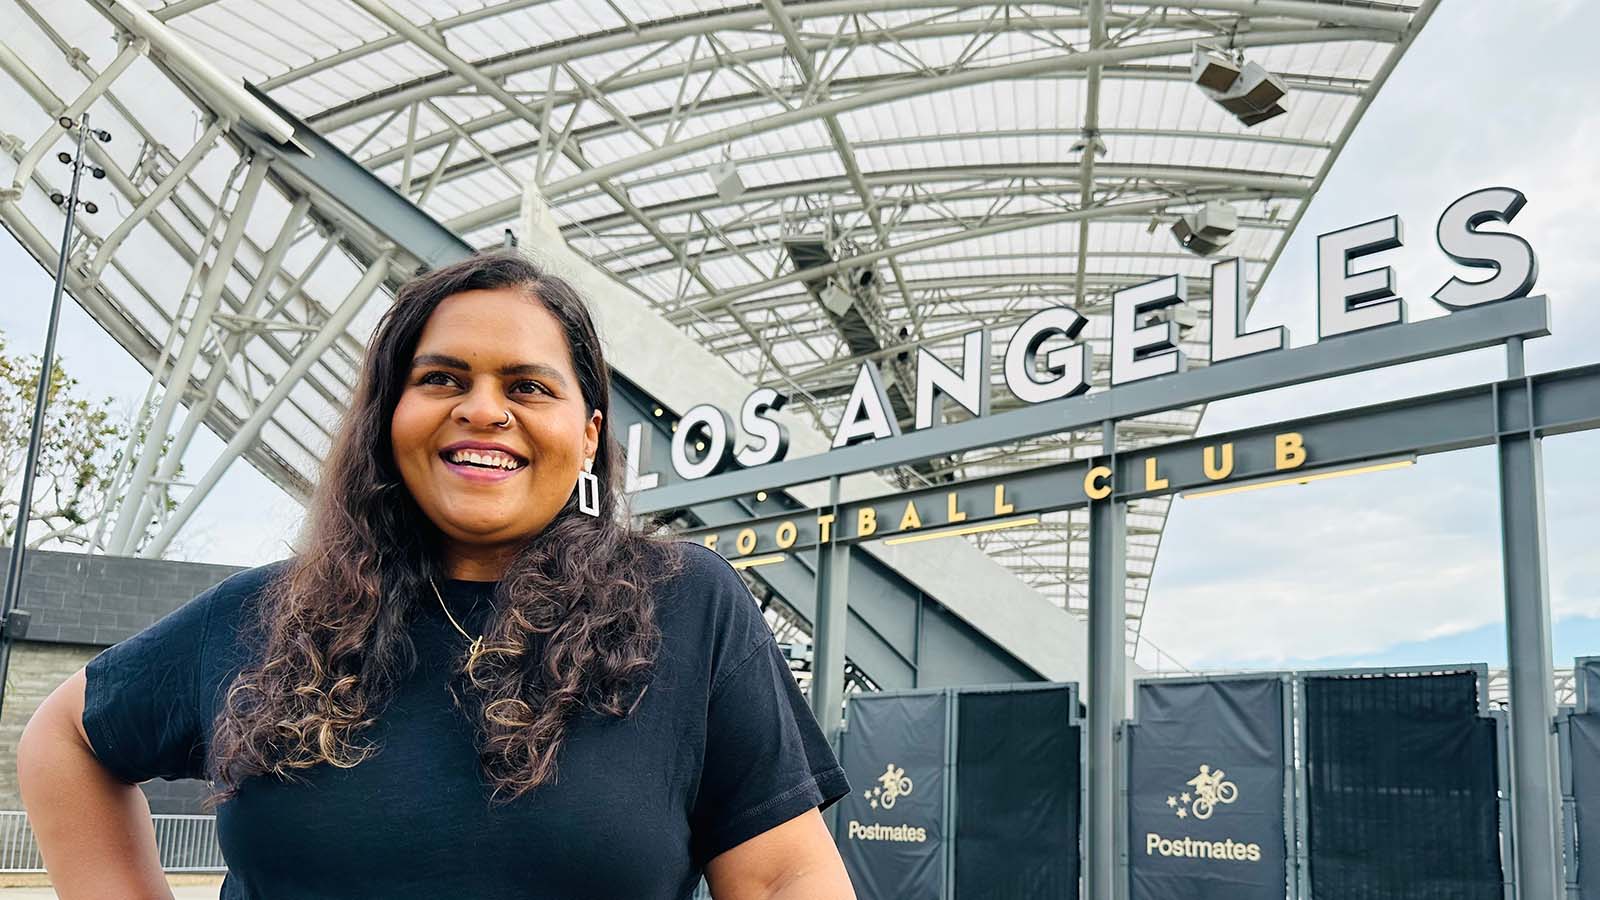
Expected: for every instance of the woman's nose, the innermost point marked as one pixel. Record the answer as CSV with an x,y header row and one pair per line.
x,y
482,406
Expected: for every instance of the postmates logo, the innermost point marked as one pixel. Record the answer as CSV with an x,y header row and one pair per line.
x,y
1209,790
889,787
892,785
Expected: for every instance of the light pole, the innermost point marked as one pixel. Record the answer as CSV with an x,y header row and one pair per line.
x,y
14,622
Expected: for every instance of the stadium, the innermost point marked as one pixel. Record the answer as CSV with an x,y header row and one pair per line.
x,y
940,323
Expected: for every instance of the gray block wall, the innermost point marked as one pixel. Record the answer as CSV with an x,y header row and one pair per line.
x,y
81,605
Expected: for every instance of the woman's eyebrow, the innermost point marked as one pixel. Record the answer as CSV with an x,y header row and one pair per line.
x,y
455,362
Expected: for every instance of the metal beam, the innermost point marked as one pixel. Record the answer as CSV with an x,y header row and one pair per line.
x,y
1387,25
1535,799
1468,330
1058,173
737,103
936,84
250,429
727,298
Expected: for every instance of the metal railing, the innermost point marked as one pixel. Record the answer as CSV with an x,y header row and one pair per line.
x,y
185,844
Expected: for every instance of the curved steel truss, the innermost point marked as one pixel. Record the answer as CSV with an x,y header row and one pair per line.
x,y
982,160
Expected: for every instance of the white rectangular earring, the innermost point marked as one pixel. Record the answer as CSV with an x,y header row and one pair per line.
x,y
588,491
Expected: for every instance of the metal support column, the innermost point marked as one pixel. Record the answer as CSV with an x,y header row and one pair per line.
x,y
827,633
1534,802
1108,567
250,429
231,346
129,524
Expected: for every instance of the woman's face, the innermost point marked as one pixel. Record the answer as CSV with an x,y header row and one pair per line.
x,y
483,353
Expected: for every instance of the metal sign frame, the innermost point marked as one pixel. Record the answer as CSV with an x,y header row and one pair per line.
x,y
1513,414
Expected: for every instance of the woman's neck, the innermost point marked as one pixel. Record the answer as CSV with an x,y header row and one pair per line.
x,y
470,563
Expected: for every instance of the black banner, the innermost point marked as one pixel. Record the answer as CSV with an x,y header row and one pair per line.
x,y
1206,791
1583,731
1018,794
1401,789
891,829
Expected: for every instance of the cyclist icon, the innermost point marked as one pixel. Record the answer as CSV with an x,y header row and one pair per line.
x,y
894,783
1210,790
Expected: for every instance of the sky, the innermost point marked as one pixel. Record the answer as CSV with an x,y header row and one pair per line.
x,y
1391,568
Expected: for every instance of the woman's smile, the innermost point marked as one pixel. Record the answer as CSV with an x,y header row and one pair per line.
x,y
481,462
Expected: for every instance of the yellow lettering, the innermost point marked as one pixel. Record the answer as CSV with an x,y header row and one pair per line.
x,y
1001,507
951,513
1291,450
866,521
746,541
910,519
825,523
786,535
1096,483
711,542
1214,471
1152,480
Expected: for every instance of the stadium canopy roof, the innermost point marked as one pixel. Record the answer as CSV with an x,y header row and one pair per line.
x,y
980,160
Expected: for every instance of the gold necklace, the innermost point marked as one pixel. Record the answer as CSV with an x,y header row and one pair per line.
x,y
477,642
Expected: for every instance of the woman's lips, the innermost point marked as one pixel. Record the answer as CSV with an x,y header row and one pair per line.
x,y
481,473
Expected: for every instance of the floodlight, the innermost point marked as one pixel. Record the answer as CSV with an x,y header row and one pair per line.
x,y
1213,69
64,157
1270,112
1207,231
1245,89
1255,91
725,175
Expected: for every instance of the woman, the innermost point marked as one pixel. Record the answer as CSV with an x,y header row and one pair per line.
x,y
474,680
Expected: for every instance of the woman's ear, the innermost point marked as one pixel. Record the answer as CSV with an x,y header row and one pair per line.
x,y
591,434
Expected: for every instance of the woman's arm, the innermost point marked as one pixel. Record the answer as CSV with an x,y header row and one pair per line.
x,y
93,829
794,861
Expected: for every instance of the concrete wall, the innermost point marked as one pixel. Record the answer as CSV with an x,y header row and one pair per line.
x,y
80,606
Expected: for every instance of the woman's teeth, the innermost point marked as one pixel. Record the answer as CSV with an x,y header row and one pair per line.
x,y
485,460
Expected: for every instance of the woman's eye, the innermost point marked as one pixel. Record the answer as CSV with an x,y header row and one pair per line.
x,y
428,378
537,387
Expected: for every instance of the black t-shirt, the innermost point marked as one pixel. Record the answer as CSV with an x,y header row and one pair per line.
x,y
721,748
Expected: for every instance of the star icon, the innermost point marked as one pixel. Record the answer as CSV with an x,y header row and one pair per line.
x,y
1172,801
1182,813
1184,797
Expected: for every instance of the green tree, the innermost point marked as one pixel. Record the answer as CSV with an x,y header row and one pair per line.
x,y
80,455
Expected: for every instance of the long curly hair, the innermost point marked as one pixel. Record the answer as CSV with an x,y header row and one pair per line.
x,y
574,627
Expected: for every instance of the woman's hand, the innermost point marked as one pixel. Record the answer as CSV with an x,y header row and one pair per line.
x,y
794,861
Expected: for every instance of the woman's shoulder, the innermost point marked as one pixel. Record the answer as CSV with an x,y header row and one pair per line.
x,y
703,600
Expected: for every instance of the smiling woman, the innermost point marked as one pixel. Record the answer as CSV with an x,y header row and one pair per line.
x,y
462,685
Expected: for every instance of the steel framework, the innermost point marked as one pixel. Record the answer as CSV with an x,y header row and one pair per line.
x,y
932,141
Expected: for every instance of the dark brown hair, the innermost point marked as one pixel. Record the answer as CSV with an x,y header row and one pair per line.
x,y
574,625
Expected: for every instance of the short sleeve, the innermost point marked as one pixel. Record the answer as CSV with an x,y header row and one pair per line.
x,y
141,700
766,759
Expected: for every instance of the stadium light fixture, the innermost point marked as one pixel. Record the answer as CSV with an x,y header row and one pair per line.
x,y
1245,89
1207,231
1357,468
